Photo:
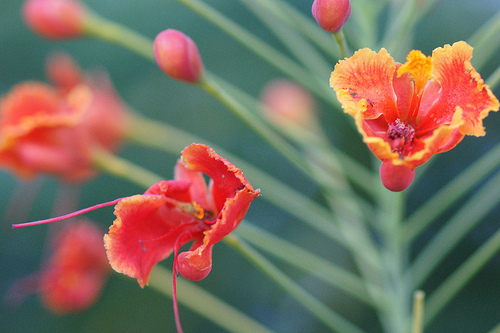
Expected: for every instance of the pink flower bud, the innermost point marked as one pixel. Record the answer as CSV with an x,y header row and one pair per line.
x,y
331,14
177,55
396,178
55,19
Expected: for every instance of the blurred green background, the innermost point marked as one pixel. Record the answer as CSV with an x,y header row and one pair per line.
x,y
124,306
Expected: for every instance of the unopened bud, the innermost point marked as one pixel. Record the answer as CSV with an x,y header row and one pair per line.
x,y
177,55
56,19
331,14
396,178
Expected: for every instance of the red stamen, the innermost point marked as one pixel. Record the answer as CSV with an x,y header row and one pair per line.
x,y
174,288
67,216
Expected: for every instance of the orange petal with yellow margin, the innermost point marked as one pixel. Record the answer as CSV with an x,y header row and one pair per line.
x,y
363,84
461,86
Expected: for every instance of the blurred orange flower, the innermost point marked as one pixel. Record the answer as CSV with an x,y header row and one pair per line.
x,y
45,129
73,277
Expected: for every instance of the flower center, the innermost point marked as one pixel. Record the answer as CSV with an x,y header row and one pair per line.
x,y
401,136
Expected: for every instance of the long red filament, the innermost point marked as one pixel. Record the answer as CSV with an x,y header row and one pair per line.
x,y
67,216
174,289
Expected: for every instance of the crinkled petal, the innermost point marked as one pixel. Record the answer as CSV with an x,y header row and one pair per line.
x,y
226,178
363,84
419,67
461,86
144,233
196,264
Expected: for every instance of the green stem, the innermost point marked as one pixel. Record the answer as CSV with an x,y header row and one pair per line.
x,y
450,193
485,41
460,277
341,42
394,255
494,79
296,44
487,197
314,265
301,23
124,169
205,304
98,27
327,316
403,23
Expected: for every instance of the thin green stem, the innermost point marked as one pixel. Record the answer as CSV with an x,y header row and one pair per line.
x,y
205,304
98,27
297,45
487,197
449,194
461,276
302,23
394,256
485,41
494,79
495,329
403,23
327,316
361,27
341,42
323,269
124,169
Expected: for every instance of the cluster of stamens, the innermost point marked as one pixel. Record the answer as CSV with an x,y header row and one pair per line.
x,y
401,135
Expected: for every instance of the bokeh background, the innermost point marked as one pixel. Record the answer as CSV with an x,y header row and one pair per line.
x,y
124,306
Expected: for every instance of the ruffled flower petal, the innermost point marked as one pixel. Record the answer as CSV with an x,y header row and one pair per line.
x,y
461,86
226,179
144,233
364,84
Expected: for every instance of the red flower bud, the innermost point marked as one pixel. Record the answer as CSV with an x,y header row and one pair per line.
x,y
331,14
396,178
55,18
177,55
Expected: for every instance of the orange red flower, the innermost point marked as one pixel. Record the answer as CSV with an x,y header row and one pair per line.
x,y
46,129
408,112
149,227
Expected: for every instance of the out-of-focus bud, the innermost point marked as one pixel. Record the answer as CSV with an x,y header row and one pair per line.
x,y
396,178
73,277
177,55
331,14
56,19
290,107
